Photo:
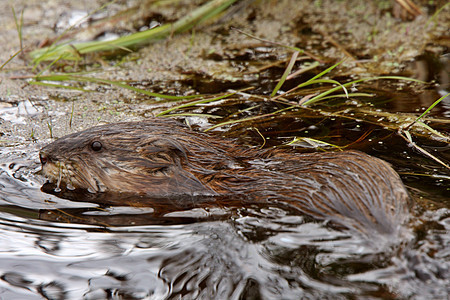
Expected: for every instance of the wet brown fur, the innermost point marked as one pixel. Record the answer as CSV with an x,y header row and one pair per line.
x,y
161,157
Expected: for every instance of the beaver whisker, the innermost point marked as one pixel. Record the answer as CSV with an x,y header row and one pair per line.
x,y
58,182
83,178
71,174
68,174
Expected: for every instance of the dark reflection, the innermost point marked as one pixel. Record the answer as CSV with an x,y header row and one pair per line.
x,y
251,290
98,217
53,291
155,210
16,279
49,243
160,205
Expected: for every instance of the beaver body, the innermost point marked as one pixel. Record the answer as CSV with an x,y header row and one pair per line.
x,y
162,158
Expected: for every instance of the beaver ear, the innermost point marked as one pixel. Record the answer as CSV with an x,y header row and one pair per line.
x,y
164,145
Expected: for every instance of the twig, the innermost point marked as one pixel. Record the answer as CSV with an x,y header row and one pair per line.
x,y
407,137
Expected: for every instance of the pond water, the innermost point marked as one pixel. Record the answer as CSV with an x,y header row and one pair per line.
x,y
61,249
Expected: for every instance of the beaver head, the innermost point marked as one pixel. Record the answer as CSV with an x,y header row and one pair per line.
x,y
134,157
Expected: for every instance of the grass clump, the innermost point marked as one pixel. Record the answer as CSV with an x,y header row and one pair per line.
x,y
74,51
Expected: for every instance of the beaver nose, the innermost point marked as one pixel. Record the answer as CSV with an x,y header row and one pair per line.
x,y
43,158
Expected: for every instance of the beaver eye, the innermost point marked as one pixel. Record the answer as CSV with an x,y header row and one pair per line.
x,y
96,146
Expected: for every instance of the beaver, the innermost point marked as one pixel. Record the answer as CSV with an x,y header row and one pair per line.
x,y
164,158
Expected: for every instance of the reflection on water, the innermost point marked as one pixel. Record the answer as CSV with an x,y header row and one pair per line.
x,y
61,249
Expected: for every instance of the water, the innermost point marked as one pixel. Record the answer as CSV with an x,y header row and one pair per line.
x,y
60,249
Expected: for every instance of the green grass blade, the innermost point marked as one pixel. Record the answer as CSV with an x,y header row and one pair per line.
x,y
311,80
432,19
19,25
286,73
193,103
313,142
208,116
66,77
328,70
59,86
332,90
433,131
348,95
47,67
328,81
11,58
428,109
